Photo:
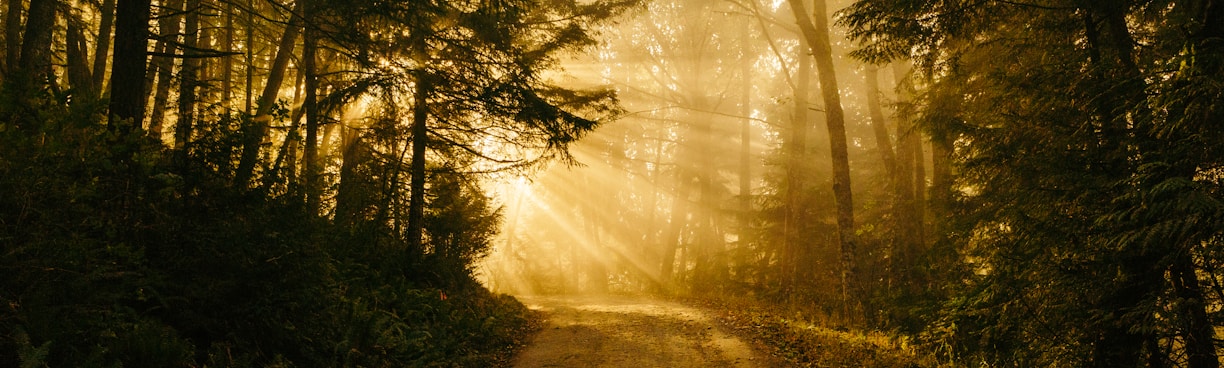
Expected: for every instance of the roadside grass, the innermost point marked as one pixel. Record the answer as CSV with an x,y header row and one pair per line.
x,y
813,341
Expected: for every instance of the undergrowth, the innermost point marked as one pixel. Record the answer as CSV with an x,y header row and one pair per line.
x,y
114,255
809,340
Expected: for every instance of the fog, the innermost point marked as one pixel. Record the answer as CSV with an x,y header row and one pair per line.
x,y
687,189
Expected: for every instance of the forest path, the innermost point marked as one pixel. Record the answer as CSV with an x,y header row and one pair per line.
x,y
627,331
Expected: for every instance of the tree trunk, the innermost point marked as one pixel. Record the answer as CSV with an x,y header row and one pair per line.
x,y
102,45
1197,330
310,105
188,74
910,180
163,66
416,200
878,124
672,241
941,177
35,62
796,147
745,158
79,78
888,157
709,242
257,129
816,31
227,62
349,191
248,89
596,269
127,97
12,35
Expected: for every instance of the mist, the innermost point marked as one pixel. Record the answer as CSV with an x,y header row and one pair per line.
x,y
633,183
686,190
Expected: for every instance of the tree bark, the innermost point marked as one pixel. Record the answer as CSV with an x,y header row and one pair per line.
x,y
672,241
163,66
127,96
349,191
796,147
12,35
911,181
878,125
745,157
103,44
35,62
1197,330
188,76
416,201
79,77
816,30
257,129
227,62
895,187
310,105
248,89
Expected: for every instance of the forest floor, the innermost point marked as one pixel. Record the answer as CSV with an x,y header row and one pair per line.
x,y
632,331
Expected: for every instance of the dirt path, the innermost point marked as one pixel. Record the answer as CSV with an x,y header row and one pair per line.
x,y
616,331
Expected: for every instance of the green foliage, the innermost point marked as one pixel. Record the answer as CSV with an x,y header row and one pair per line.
x,y
1087,174
141,262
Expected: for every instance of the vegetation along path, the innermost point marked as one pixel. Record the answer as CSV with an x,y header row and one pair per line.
x,y
622,331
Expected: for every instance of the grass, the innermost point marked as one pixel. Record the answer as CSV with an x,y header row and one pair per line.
x,y
786,334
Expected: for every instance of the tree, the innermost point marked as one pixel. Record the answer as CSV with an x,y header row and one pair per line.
x,y
257,129
103,44
815,30
127,96
1065,174
491,67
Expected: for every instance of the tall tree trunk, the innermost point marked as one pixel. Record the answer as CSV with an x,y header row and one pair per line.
x,y
816,31
78,61
941,182
1197,330
12,35
227,62
878,124
910,181
286,164
248,89
257,129
420,138
796,147
163,66
672,241
1121,110
349,192
596,254
127,96
915,144
652,248
745,158
708,241
310,105
35,62
888,157
188,74
102,45
205,76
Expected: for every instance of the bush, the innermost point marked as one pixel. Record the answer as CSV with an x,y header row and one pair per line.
x,y
112,255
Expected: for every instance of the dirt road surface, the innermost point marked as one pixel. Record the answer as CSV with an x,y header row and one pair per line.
x,y
635,332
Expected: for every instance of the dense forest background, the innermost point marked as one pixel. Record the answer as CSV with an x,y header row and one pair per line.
x,y
265,183
998,183
323,182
